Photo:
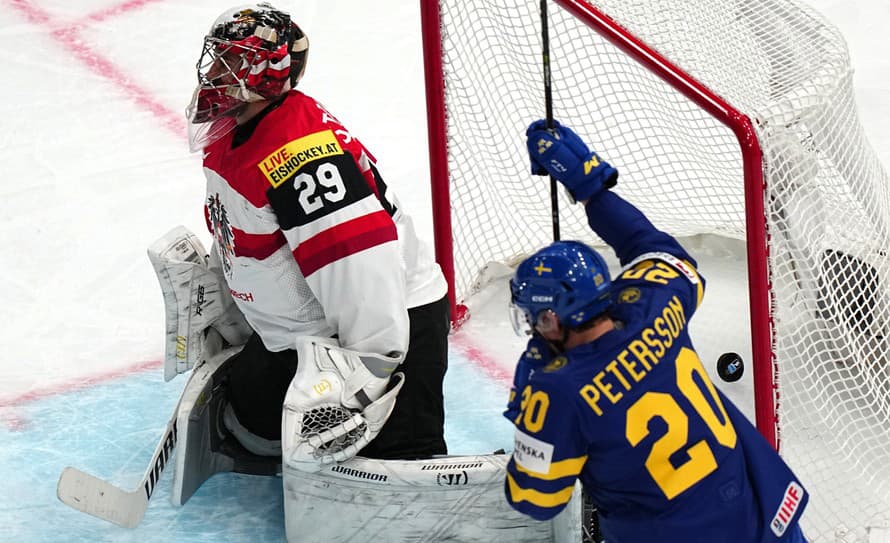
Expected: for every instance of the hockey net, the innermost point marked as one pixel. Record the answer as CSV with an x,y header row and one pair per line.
x,y
731,119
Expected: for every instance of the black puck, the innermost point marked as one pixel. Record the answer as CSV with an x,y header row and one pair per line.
x,y
730,367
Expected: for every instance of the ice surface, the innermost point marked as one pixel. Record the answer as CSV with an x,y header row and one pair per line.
x,y
111,429
94,167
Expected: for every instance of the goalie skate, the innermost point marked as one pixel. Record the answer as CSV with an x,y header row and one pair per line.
x,y
206,445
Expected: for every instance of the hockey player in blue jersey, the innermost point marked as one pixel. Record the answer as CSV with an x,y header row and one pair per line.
x,y
611,391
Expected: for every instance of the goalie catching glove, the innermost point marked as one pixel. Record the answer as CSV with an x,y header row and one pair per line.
x,y
337,402
561,153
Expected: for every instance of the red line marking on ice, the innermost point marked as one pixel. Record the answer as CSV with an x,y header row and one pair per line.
x,y
67,36
79,383
15,422
481,360
114,11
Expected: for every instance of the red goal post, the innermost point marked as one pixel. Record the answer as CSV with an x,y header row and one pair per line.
x,y
637,50
730,120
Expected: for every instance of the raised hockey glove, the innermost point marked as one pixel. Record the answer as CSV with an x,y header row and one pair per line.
x,y
337,402
537,355
562,154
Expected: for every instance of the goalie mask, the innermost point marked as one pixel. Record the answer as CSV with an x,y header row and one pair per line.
x,y
566,279
252,53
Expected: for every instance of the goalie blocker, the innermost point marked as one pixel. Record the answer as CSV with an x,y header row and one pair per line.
x,y
196,299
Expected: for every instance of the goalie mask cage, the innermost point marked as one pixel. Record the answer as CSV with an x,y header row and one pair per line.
x,y
733,119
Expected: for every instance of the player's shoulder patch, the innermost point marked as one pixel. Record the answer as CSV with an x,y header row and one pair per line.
x,y
556,364
791,501
285,161
629,295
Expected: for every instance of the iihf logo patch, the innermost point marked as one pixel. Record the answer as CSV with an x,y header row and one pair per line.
x,y
787,509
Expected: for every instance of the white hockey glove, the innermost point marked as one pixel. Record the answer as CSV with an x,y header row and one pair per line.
x,y
194,299
337,402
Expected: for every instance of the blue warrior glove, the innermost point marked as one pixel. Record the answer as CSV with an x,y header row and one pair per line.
x,y
562,154
537,355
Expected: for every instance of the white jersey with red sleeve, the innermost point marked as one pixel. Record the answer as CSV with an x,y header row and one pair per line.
x,y
310,240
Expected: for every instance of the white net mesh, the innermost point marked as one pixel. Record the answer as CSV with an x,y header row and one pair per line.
x,y
827,197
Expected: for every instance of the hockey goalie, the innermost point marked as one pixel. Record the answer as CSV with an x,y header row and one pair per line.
x,y
336,402
315,330
333,408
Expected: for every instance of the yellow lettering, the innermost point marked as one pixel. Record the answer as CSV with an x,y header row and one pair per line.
x,y
661,274
297,153
637,271
648,336
677,306
592,396
606,388
672,322
591,164
321,387
630,366
639,350
181,347
525,394
634,363
659,324
612,367
536,411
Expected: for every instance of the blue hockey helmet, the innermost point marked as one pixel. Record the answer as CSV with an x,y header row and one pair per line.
x,y
566,277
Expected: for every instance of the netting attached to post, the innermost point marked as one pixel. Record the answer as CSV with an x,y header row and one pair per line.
x,y
824,199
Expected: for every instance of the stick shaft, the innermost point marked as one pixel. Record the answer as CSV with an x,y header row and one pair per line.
x,y
548,106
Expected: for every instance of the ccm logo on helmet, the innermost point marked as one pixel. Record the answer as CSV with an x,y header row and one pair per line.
x,y
542,298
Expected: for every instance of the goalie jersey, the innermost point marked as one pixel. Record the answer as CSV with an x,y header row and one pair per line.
x,y
308,236
664,455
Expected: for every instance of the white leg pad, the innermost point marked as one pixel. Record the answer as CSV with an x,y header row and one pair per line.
x,y
452,498
198,419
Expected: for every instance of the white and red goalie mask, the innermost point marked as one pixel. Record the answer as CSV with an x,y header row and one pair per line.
x,y
252,53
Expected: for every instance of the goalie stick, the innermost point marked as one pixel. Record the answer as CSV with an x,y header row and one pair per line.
x,y
94,496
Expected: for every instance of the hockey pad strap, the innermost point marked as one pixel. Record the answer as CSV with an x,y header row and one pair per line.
x,y
334,405
194,298
562,154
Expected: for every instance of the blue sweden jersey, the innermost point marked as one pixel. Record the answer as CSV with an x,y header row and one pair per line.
x,y
665,456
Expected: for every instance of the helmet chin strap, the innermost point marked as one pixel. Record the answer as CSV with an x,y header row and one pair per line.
x,y
564,339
